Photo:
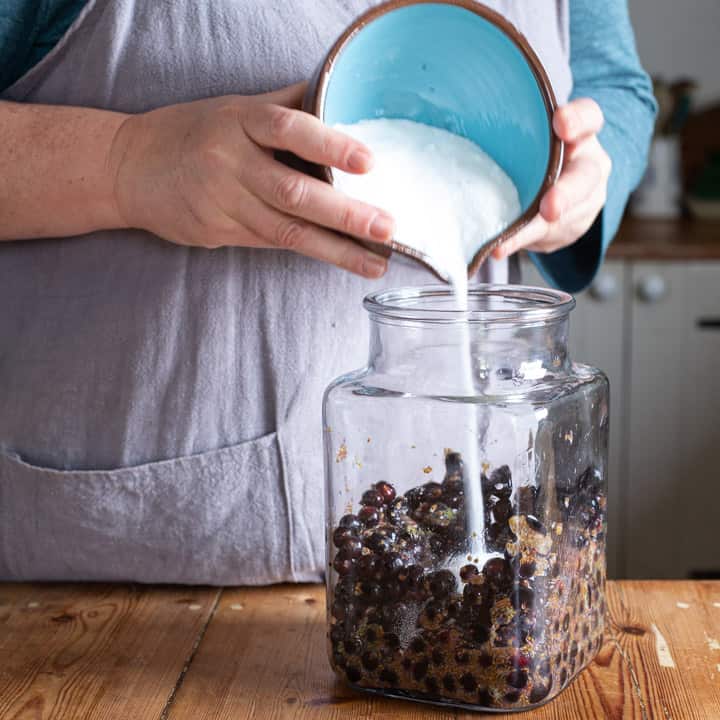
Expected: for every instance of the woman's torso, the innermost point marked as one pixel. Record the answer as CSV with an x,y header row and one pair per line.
x,y
160,416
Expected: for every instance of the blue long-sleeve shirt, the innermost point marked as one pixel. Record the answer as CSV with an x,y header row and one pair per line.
x,y
604,64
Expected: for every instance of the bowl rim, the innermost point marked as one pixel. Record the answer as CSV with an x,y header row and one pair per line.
x,y
314,103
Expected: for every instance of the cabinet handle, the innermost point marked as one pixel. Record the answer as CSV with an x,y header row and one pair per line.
x,y
652,288
604,288
708,323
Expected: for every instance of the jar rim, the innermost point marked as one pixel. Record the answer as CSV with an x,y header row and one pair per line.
x,y
487,304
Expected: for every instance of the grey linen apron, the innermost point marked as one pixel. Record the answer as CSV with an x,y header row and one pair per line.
x,y
160,405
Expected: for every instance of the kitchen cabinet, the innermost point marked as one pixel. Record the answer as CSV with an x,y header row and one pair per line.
x,y
654,328
672,500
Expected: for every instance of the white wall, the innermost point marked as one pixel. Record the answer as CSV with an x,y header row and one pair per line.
x,y
681,37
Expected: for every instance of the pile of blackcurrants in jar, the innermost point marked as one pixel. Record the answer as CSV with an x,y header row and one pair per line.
x,y
509,632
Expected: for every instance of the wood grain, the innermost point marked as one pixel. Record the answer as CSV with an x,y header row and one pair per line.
x,y
685,616
126,653
263,657
95,652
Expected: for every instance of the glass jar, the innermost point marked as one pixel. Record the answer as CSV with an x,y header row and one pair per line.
x,y
466,497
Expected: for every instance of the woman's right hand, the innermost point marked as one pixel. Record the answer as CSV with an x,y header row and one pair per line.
x,y
203,173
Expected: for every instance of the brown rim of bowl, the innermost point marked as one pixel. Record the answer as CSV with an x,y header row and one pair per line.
x,y
315,99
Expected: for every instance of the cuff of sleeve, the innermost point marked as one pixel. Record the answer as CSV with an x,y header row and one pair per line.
x,y
573,268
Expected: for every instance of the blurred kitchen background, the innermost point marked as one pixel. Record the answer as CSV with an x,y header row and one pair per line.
x,y
652,318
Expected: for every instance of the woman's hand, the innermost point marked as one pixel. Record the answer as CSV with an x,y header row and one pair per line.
x,y
569,208
203,174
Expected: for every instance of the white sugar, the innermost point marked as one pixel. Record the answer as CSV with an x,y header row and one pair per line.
x,y
448,198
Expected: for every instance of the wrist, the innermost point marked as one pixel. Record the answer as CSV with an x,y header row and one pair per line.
x,y
100,206
119,163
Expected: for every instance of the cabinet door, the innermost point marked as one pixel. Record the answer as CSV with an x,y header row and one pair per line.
x,y
671,495
596,338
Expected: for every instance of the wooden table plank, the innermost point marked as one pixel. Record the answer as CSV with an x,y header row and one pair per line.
x,y
130,653
263,657
96,652
682,682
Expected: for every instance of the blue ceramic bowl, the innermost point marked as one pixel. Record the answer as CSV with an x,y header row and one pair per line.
x,y
454,64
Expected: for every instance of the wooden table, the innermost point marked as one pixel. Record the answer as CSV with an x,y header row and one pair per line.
x,y
133,653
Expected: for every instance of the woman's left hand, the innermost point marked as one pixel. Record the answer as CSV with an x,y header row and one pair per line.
x,y
569,208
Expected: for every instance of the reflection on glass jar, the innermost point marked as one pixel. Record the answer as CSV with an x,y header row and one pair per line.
x,y
466,487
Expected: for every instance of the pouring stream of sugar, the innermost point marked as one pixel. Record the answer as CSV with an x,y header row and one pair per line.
x,y
448,198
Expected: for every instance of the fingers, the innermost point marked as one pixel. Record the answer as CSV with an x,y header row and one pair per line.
x,y
543,237
281,128
579,179
270,228
302,196
569,208
292,234
578,120
562,235
535,231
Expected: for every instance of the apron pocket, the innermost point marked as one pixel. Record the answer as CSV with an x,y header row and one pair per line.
x,y
219,517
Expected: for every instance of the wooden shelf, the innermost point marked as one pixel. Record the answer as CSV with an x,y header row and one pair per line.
x,y
667,240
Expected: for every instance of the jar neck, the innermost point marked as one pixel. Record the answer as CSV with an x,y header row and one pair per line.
x,y
506,350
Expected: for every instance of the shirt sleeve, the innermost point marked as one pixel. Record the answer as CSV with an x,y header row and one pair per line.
x,y
29,29
20,23
605,67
